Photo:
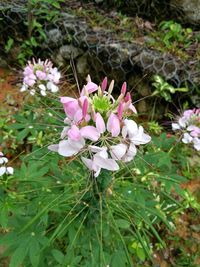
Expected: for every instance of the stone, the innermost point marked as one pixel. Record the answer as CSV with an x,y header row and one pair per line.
x,y
68,51
82,66
54,37
189,8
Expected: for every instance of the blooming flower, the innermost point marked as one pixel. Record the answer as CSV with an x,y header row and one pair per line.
x,y
98,125
4,169
40,76
189,125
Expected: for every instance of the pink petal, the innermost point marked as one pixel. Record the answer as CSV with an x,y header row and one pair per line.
x,y
120,111
123,90
70,106
90,87
90,132
85,108
100,124
74,133
113,125
104,84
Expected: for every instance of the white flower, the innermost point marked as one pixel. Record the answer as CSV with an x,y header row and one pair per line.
x,y
2,170
100,161
136,135
175,126
52,87
7,170
187,138
132,150
118,151
24,88
32,91
196,142
3,160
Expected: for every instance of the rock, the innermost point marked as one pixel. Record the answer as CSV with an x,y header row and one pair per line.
x,y
189,8
68,51
82,66
54,37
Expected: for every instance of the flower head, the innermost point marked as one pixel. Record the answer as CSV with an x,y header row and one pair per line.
x,y
99,125
3,168
40,76
189,126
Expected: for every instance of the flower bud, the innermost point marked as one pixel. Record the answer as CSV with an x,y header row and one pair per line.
x,y
123,90
104,84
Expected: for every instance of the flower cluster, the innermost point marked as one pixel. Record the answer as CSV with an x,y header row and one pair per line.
x,y
189,125
98,124
40,76
3,168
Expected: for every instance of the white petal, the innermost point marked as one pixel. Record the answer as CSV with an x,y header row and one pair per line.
x,y
187,138
10,170
43,93
91,166
1,154
23,88
3,160
87,162
97,149
140,138
42,87
53,148
118,151
2,170
52,87
130,128
32,91
69,148
196,142
108,164
130,153
64,132
175,126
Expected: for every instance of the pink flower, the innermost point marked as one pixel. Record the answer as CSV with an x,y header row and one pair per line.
x,y
113,125
41,75
90,87
70,105
100,124
90,132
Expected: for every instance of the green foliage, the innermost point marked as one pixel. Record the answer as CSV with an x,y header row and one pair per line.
x,y
39,11
9,44
174,32
164,89
60,214
53,212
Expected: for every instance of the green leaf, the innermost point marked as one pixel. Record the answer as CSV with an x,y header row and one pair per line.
x,y
58,255
22,134
119,259
34,252
19,255
140,253
121,223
